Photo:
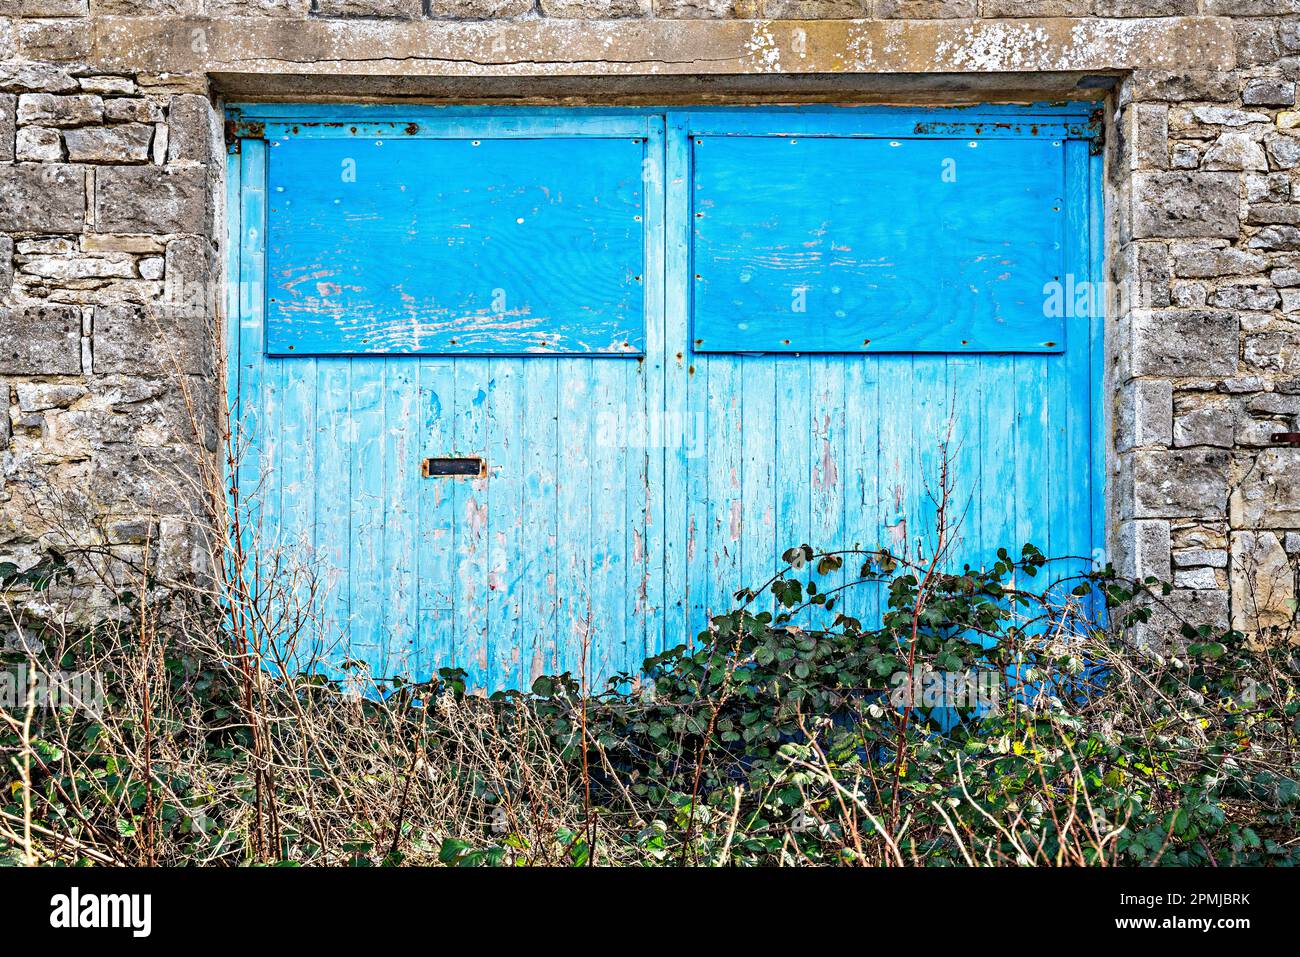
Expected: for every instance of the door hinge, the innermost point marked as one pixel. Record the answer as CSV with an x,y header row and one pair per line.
x,y
1097,130
237,130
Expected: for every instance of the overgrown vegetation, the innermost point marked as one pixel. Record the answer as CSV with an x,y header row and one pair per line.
x,y
1029,735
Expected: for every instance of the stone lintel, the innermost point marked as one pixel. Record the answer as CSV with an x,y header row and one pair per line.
x,y
557,48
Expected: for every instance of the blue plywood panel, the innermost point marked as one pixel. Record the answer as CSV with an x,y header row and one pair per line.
x,y
856,244
407,244
625,501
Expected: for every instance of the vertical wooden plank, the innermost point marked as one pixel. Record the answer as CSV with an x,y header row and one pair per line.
x,y
826,466
997,457
573,483
1099,424
297,487
233,278
647,556
1031,452
684,443
335,435
608,520
507,416
861,479
251,333
963,391
436,535
930,424
896,453
758,495
1072,411
291,478
540,439
470,508
794,452
401,467
725,504
636,455
366,550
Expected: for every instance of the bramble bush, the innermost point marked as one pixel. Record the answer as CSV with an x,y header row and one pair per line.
x,y
976,721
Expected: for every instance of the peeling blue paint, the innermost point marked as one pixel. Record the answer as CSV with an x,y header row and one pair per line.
x,y
626,497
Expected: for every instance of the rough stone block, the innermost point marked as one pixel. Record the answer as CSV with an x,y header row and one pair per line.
x,y
705,9
1274,214
1183,342
1255,295
1257,42
39,144
295,9
1270,91
925,9
189,129
402,9
1184,156
1146,134
55,40
478,9
151,199
192,278
1197,578
132,109
1208,426
1268,496
40,340
1143,8
1144,549
1276,239
1207,259
1283,150
1195,557
1274,403
47,109
43,396
144,340
1145,414
112,85
1178,204
1235,151
597,9
42,198
128,143
1144,276
1186,483
8,123
151,268
1163,632
44,8
1273,352
1263,582
138,8
25,77
145,480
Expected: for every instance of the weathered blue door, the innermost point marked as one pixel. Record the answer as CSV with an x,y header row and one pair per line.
x,y
539,390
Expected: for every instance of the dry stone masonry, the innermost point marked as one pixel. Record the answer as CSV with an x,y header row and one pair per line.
x,y
110,222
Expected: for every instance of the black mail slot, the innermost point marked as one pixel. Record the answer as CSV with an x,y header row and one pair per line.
x,y
474,467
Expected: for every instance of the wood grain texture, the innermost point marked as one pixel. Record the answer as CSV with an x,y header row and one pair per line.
x,y
461,246
858,244
626,500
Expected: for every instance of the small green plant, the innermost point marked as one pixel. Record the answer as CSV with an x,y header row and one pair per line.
x,y
977,721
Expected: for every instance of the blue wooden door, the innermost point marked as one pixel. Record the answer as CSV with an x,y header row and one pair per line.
x,y
656,348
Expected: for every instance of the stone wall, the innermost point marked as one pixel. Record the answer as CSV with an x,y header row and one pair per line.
x,y
107,263
110,214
